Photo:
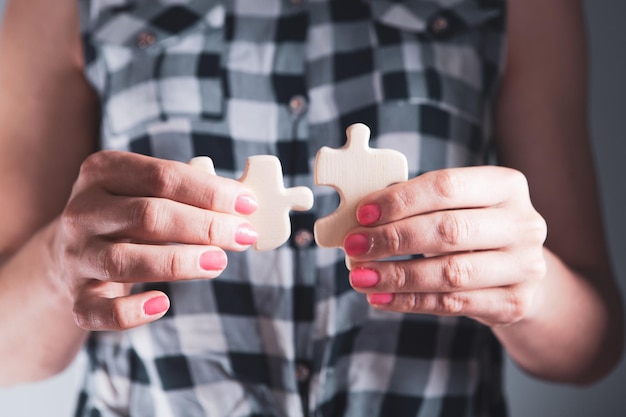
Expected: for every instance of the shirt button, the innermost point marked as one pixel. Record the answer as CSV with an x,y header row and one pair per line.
x,y
217,16
302,372
439,26
297,104
303,238
145,39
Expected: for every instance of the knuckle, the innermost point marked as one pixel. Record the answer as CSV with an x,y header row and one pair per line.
x,y
81,318
538,228
399,277
77,218
518,179
118,318
174,265
400,201
215,230
452,229
163,178
446,184
517,306
71,220
536,267
210,198
393,239
88,318
457,272
94,166
146,215
95,162
112,262
412,302
451,303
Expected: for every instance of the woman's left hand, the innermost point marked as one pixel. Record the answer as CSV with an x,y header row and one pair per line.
x,y
481,238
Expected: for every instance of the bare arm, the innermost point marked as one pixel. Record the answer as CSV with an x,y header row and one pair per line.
x,y
575,332
553,304
47,128
79,228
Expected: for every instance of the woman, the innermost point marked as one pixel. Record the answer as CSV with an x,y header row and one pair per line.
x,y
86,254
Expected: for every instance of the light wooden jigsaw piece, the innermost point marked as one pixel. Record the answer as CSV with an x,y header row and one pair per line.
x,y
264,177
354,170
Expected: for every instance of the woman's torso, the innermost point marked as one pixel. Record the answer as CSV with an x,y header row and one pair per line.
x,y
281,333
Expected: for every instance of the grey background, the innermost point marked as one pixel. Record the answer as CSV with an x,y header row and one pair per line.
x,y
527,397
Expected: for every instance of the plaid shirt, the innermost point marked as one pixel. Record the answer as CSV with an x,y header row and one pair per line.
x,y
281,333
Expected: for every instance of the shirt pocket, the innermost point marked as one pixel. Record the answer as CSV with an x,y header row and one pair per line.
x,y
443,52
154,60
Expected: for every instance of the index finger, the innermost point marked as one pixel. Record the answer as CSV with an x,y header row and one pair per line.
x,y
130,174
448,189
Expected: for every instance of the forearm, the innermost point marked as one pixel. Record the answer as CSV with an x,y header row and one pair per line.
x,y
38,336
574,332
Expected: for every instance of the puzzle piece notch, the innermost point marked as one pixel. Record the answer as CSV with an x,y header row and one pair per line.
x,y
354,170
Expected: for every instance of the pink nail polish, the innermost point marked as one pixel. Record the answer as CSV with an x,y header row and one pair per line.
x,y
156,305
246,235
380,298
364,278
357,244
245,205
213,260
369,214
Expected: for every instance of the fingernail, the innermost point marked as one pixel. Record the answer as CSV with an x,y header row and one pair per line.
x,y
357,244
156,305
246,235
245,204
364,278
213,260
380,298
368,214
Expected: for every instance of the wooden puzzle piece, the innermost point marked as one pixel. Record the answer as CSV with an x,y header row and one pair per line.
x,y
354,170
264,177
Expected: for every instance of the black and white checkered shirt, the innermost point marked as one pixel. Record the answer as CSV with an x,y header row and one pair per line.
x,y
281,333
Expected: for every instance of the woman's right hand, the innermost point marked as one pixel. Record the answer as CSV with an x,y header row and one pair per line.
x,y
133,219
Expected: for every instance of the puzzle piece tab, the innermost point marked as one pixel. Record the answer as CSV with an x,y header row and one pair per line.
x,y
354,170
264,177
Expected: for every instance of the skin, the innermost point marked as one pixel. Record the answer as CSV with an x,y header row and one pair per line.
x,y
552,303
70,252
